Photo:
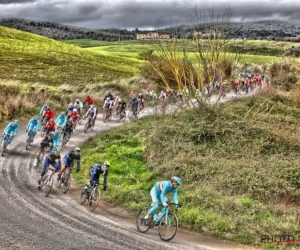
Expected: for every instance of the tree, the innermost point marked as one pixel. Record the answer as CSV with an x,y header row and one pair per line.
x,y
173,64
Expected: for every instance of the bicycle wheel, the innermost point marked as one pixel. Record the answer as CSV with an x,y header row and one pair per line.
x,y
140,222
130,115
42,130
79,119
28,142
47,184
94,199
86,127
167,227
104,117
83,196
67,181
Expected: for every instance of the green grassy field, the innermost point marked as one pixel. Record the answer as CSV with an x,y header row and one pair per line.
x,y
254,51
31,58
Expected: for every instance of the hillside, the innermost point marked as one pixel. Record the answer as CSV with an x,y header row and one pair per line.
x,y
35,70
32,58
251,30
239,164
66,32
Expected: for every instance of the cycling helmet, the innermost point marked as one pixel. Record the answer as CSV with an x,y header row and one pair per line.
x,y
107,99
75,110
106,163
51,120
176,179
77,151
107,92
77,100
45,105
16,122
92,106
62,113
140,94
34,118
70,105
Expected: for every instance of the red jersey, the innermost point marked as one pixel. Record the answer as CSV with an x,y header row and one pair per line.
x,y
89,101
74,116
51,124
49,113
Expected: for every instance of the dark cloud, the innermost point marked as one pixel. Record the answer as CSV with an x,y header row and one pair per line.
x,y
15,1
146,14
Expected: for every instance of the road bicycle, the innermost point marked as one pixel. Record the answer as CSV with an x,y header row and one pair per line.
x,y
89,125
133,113
166,221
66,135
121,116
65,180
47,181
6,140
29,138
90,194
42,123
107,115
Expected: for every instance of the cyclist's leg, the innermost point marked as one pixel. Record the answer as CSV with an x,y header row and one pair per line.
x,y
105,174
155,202
65,164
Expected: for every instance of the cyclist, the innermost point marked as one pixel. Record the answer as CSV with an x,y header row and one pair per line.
x,y
69,110
11,129
134,104
108,95
56,139
95,172
43,109
78,104
123,106
54,159
61,120
159,191
141,101
92,112
74,118
88,100
50,126
46,145
108,104
162,95
48,113
69,161
33,125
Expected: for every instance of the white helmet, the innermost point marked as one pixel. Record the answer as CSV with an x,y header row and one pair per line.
x,y
77,100
92,106
75,110
70,105
119,100
107,99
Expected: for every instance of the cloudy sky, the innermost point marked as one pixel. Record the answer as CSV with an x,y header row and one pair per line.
x,y
144,14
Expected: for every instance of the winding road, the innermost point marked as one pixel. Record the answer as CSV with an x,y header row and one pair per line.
x,y
31,221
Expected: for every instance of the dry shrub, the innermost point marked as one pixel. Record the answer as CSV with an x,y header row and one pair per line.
x,y
251,67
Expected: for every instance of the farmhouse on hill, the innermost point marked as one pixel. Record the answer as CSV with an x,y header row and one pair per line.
x,y
152,35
